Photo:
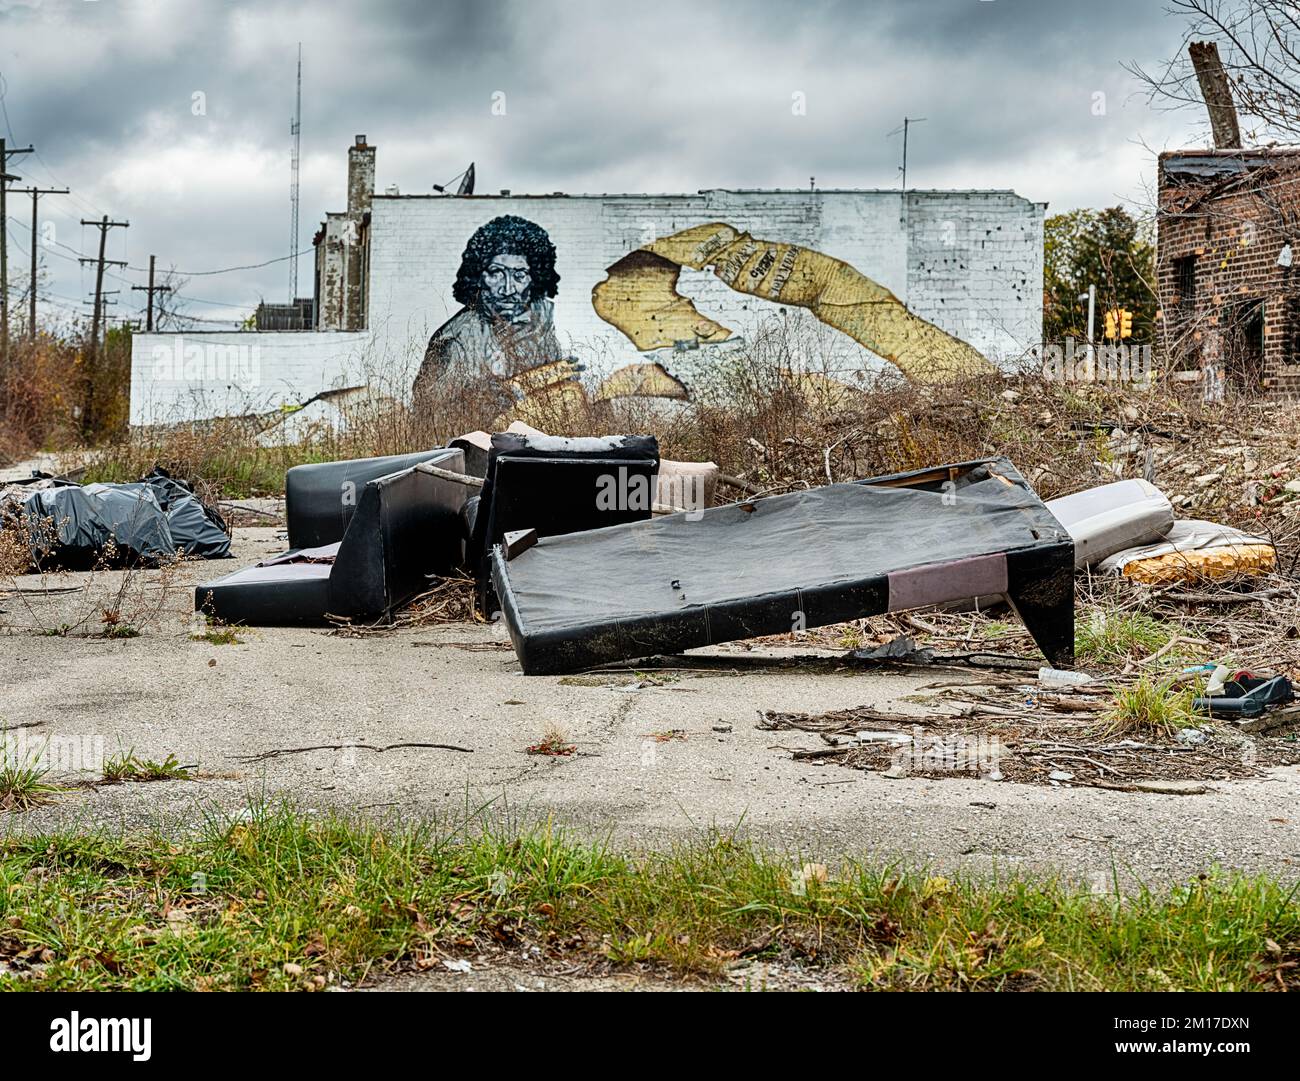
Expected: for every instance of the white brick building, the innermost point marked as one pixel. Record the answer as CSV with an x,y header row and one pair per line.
x,y
971,262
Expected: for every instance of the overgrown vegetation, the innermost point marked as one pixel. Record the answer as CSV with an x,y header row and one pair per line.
x,y
55,396
1151,708
1107,638
221,910
783,412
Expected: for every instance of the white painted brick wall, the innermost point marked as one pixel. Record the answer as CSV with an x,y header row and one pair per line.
x,y
971,262
177,377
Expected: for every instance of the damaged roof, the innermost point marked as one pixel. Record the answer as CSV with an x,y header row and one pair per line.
x,y
1207,164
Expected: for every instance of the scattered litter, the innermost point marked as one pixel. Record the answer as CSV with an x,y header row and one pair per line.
x,y
1245,695
1111,518
1058,677
881,737
960,737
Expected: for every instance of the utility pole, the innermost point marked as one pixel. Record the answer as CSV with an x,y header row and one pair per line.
x,y
5,177
151,289
36,194
88,401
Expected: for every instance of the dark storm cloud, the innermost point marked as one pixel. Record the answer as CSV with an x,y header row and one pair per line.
x,y
598,97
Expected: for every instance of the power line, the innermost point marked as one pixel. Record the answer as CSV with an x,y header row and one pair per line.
x,y
5,177
151,289
202,273
36,194
230,269
103,225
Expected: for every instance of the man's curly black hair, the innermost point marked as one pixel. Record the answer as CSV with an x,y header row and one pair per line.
x,y
507,235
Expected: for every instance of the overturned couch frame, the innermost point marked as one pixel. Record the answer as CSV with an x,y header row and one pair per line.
x,y
383,529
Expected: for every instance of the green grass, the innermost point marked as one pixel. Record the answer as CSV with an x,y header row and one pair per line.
x,y
1151,707
1116,637
282,901
218,635
128,767
234,470
22,779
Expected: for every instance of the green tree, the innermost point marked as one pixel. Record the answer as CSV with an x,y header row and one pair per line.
x,y
1106,248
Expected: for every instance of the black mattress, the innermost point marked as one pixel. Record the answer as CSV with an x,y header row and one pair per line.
x,y
801,560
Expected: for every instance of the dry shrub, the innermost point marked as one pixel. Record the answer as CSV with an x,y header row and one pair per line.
x,y
38,400
55,394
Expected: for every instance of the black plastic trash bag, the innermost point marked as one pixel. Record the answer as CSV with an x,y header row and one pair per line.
x,y
197,529
97,525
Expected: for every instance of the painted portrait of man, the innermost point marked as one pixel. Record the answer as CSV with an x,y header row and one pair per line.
x,y
505,283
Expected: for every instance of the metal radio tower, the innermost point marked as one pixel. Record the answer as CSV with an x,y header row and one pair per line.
x,y
295,129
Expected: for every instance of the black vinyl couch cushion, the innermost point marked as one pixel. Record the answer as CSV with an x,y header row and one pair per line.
x,y
405,529
555,485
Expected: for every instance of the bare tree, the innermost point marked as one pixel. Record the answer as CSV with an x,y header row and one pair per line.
x,y
1259,41
170,307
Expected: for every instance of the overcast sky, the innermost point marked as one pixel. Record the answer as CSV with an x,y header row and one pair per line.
x,y
658,96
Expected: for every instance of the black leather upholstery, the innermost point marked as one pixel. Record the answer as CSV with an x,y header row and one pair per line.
x,y
320,499
404,529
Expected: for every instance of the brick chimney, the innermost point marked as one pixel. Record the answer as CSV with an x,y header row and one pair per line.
x,y
361,177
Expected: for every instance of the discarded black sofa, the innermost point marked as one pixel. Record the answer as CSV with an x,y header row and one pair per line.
x,y
366,536
806,559
555,485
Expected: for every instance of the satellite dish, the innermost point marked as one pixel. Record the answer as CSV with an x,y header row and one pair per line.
x,y
467,182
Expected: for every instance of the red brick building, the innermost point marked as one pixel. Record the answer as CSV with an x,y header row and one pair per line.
x,y
1227,227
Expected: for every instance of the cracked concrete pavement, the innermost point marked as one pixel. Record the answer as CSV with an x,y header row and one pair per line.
x,y
459,684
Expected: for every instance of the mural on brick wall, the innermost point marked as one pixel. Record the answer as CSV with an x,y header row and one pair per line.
x,y
505,284
640,298
505,329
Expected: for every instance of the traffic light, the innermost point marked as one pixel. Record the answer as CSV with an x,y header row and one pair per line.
x,y
1119,324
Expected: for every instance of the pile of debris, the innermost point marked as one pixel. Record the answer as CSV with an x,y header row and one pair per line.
x,y
1015,729
596,550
